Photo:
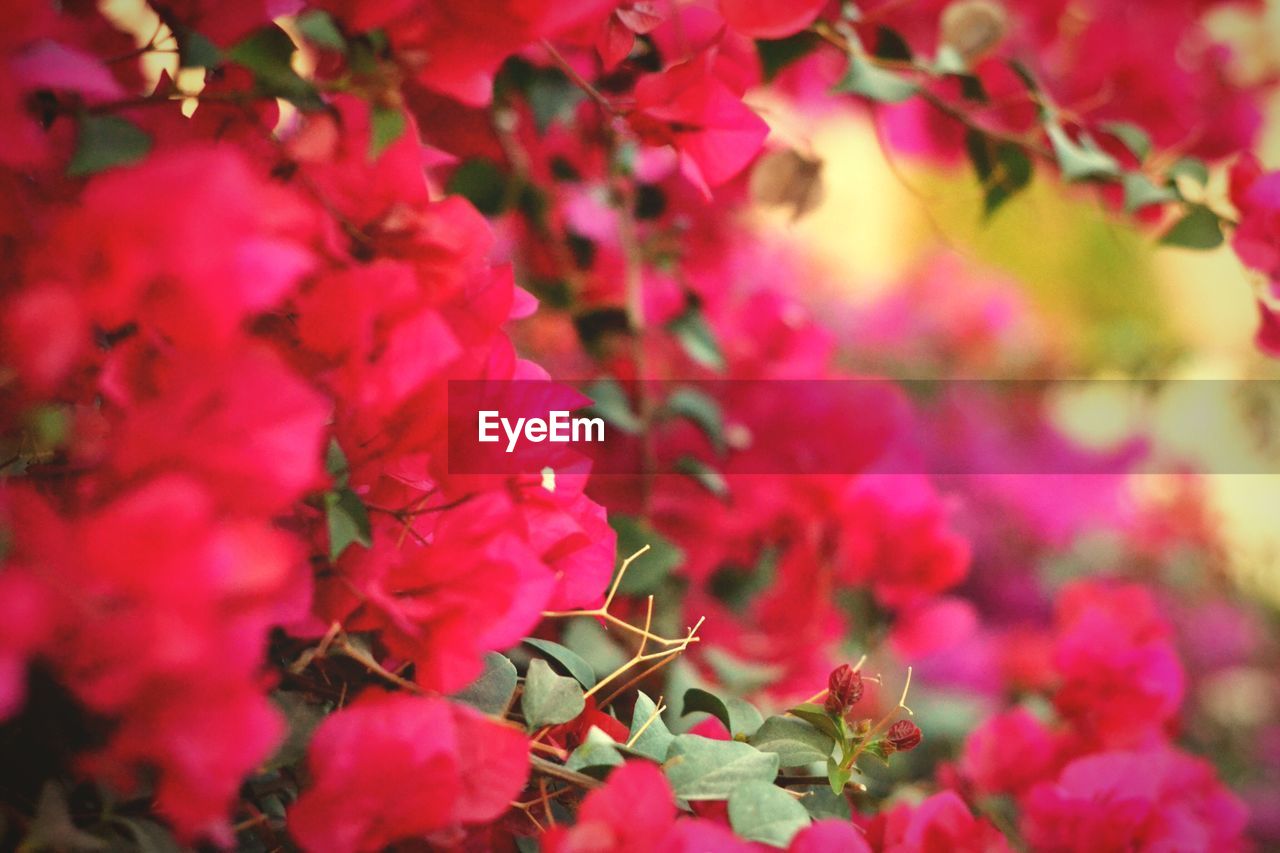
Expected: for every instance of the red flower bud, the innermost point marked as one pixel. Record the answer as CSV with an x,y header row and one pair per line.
x,y
844,689
902,736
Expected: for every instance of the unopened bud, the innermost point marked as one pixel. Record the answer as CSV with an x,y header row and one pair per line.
x,y
973,28
844,689
902,736
787,178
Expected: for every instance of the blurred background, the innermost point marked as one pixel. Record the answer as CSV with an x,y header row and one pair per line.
x,y
1121,305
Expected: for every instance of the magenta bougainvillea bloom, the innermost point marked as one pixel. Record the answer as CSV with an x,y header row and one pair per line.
x,y
702,117
1009,752
1142,799
941,822
476,767
771,19
1121,679
255,596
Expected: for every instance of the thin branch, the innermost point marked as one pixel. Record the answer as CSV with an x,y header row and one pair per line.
x,y
564,774
578,79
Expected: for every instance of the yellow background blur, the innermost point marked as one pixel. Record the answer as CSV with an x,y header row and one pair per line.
x,y
1130,308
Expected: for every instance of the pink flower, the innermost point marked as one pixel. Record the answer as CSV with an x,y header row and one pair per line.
x,y
154,612
825,835
896,539
1157,799
45,334
1121,678
392,767
688,108
1257,196
770,19
190,266
939,824
1008,753
439,40
27,612
633,813
249,426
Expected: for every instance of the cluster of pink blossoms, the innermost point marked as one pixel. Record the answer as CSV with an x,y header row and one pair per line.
x,y
208,323
224,365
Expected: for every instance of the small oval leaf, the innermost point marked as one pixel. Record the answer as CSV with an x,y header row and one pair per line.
x,y
760,811
569,659
549,699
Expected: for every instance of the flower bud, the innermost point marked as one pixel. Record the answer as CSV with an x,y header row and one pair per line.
x,y
844,689
787,178
902,736
973,28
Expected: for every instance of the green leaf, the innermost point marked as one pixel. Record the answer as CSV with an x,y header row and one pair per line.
x,y
1080,160
837,776
552,97
739,675
796,741
48,427
491,692
706,476
594,645
1003,169
148,836
1140,192
598,752
103,142
1137,140
598,327
697,339
950,61
738,586
610,402
386,125
302,716
1012,174
335,464
51,827
877,749
739,716
1190,167
268,53
972,88
1200,228
655,740
549,699
817,716
647,573
700,768
1024,74
777,54
317,27
875,83
195,50
822,803
569,659
347,520
481,182
703,410
760,811
891,45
